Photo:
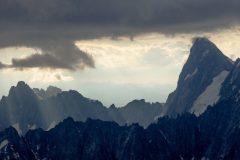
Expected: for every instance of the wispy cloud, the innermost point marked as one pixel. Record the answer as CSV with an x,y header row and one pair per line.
x,y
48,76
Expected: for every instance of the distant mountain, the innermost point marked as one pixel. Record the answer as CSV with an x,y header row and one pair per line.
x,y
200,81
202,119
71,103
25,108
137,111
20,108
213,135
44,94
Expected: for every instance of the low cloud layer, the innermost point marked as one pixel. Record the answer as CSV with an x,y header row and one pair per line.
x,y
53,26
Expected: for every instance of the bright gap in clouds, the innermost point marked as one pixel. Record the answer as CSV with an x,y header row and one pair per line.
x,y
145,67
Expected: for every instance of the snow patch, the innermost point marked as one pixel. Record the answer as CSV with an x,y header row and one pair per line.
x,y
17,127
156,117
191,75
52,125
16,155
34,126
3,143
210,96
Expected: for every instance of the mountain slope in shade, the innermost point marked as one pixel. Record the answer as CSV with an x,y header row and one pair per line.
x,y
201,77
71,103
231,85
137,111
49,92
25,108
213,135
20,108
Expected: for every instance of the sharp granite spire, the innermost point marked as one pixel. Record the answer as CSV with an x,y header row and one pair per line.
x,y
205,70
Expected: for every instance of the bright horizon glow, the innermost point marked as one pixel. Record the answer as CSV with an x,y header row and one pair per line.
x,y
145,67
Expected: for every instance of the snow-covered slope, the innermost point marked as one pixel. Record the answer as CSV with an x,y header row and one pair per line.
x,y
211,94
3,143
18,128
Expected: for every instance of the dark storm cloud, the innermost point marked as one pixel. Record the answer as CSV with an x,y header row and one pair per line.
x,y
53,26
52,53
2,65
40,60
166,14
57,54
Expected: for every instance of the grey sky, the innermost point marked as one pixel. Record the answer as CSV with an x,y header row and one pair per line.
x,y
53,26
56,32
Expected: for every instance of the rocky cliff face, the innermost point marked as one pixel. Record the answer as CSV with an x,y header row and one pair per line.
x,y
201,79
137,111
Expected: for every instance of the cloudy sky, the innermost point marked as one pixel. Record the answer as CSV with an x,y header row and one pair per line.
x,y
111,50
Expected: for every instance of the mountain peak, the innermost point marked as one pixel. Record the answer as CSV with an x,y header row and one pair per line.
x,y
204,65
204,55
49,92
21,92
137,102
203,47
22,84
53,89
201,40
113,106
